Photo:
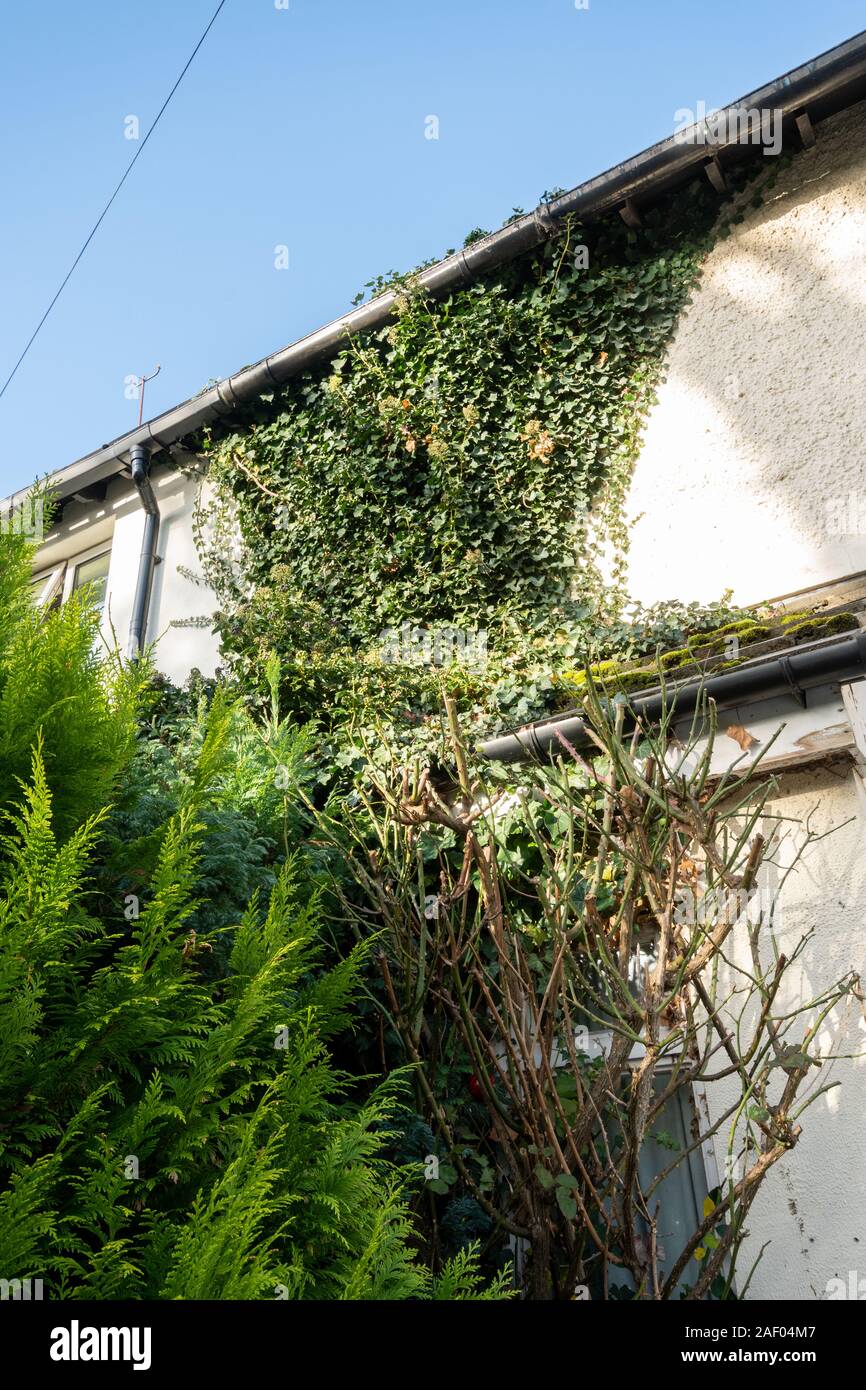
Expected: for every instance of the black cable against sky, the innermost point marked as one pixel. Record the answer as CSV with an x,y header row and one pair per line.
x,y
101,217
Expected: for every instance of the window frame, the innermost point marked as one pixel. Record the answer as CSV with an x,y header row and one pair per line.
x,y
59,580
75,562
53,581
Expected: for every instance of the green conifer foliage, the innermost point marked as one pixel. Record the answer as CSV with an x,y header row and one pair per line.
x,y
56,683
172,1124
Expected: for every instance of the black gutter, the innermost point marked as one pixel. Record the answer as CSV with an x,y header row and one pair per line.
x,y
139,460
818,89
830,662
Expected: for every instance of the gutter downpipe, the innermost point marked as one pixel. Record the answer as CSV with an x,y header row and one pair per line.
x,y
793,673
139,462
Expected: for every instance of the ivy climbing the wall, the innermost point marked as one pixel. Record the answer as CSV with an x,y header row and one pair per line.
x,y
466,465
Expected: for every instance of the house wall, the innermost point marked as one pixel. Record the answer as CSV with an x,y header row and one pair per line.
x,y
753,474
811,1207
752,477
119,522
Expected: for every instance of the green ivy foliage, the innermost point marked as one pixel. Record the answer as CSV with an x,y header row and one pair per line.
x,y
466,465
443,468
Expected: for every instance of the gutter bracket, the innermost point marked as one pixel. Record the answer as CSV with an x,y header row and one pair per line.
x,y
630,214
533,744
798,694
544,221
716,174
805,129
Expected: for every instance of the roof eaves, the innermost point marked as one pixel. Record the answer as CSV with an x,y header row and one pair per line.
x,y
822,86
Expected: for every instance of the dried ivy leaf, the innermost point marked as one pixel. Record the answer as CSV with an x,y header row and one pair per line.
x,y
741,736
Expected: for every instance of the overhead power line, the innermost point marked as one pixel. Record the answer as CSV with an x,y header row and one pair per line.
x,y
139,152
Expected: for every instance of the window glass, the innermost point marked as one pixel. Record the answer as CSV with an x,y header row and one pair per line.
x,y
94,574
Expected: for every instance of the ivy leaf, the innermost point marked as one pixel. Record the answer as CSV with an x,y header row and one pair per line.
x,y
759,1113
566,1203
794,1059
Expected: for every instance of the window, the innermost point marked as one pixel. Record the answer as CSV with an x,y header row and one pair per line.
x,y
47,588
87,571
671,1167
92,574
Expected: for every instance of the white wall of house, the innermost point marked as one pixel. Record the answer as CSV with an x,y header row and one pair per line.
x,y
752,477
118,524
753,471
811,1207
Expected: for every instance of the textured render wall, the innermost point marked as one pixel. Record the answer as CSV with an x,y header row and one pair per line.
x,y
118,523
753,477
812,1207
173,596
761,421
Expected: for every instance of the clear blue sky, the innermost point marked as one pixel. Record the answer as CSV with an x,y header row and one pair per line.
x,y
305,127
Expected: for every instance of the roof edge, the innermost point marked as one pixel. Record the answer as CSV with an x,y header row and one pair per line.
x,y
828,83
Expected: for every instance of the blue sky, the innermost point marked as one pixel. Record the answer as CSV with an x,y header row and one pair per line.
x,y
304,127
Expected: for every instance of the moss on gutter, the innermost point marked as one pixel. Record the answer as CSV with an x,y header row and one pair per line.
x,y
625,679
679,656
682,662
813,628
747,630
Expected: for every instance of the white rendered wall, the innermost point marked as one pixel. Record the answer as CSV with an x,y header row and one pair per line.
x,y
119,522
752,477
812,1206
753,471
174,597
